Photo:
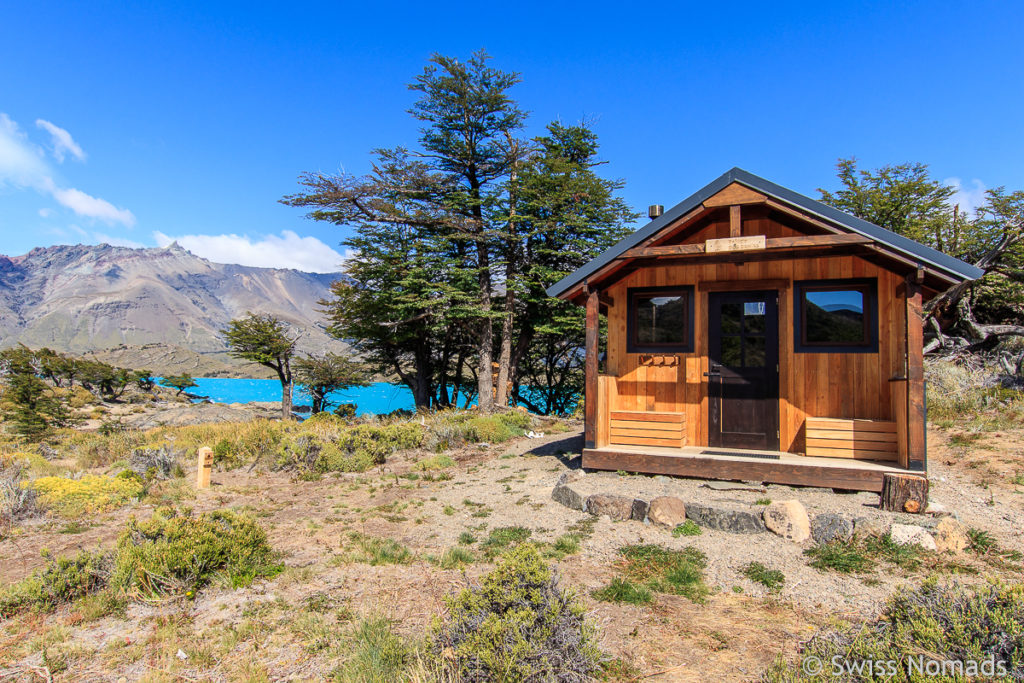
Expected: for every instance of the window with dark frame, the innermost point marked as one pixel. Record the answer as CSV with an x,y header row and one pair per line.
x,y
660,320
836,316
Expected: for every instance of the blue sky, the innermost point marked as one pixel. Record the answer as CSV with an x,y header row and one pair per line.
x,y
136,123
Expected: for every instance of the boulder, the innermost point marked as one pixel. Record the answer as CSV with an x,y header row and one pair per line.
x,y
667,511
951,536
788,518
870,526
640,508
828,527
616,507
909,534
937,510
564,492
733,521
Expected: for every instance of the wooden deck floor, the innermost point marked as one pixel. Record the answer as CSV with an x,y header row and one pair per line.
x,y
798,470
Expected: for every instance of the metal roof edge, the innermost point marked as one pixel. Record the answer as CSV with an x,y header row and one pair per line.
x,y
949,264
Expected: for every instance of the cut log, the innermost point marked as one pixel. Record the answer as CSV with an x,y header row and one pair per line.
x,y
903,493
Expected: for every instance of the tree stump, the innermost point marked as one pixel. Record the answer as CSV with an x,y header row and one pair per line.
x,y
903,493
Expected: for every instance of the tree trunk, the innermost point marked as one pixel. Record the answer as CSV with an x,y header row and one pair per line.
x,y
505,355
286,398
484,379
903,493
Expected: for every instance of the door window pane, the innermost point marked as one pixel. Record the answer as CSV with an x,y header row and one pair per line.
x,y
732,315
753,317
753,352
732,352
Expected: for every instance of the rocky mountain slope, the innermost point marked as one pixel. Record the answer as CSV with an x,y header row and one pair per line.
x,y
81,299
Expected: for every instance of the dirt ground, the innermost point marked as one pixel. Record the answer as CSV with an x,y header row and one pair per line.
x,y
740,629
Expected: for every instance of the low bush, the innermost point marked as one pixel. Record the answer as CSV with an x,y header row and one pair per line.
x,y
502,538
517,625
839,556
623,590
89,494
687,528
772,579
177,553
18,500
61,581
373,550
456,558
933,623
658,569
375,654
348,448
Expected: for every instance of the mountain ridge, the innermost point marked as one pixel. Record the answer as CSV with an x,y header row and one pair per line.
x,y
84,299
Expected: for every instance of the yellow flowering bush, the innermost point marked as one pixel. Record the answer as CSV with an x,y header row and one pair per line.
x,y
92,493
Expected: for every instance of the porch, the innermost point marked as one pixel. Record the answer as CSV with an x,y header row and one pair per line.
x,y
734,464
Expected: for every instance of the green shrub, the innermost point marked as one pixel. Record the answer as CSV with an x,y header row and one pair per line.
x,y
932,623
772,579
61,581
502,538
374,551
348,449
679,572
687,528
456,558
91,493
177,553
839,556
467,538
623,590
517,625
375,654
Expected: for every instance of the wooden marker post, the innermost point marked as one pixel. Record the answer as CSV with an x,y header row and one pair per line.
x,y
204,467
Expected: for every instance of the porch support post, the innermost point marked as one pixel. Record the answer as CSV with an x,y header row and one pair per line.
x,y
590,382
916,445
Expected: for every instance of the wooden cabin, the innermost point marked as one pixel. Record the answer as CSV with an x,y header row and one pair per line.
x,y
757,334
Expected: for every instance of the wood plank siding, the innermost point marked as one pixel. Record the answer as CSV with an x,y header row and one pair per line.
x,y
825,385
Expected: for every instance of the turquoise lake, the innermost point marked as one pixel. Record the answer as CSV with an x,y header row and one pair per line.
x,y
376,399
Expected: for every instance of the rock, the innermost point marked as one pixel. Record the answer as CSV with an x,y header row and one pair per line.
x,y
908,534
869,526
565,494
951,536
733,521
937,509
667,511
616,507
829,527
640,508
788,518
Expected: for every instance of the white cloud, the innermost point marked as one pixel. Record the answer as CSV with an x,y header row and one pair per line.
x,y
62,141
22,165
287,250
21,162
968,198
93,207
45,213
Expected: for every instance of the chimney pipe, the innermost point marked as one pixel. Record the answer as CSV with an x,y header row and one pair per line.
x,y
655,210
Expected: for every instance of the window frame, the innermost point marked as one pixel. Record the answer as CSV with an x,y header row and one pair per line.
x,y
867,286
633,293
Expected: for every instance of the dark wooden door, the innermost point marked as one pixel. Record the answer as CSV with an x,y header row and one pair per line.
x,y
743,370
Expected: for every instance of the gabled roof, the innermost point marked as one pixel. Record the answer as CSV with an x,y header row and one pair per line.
x,y
951,267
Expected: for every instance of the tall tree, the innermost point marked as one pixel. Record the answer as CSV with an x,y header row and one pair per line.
x,y
566,215
907,200
470,123
264,339
322,375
